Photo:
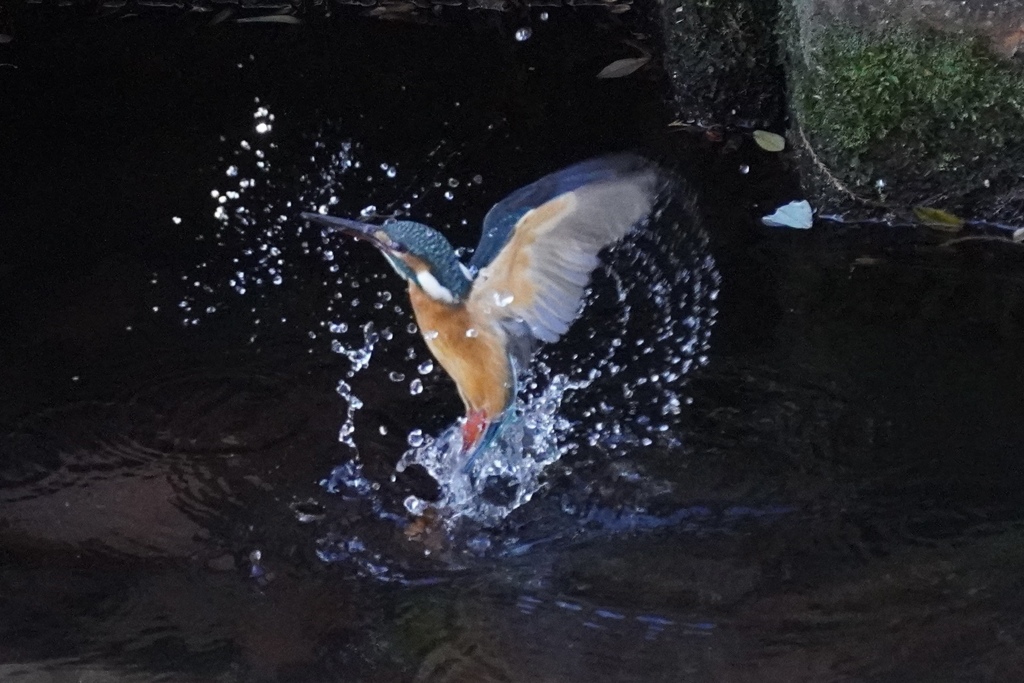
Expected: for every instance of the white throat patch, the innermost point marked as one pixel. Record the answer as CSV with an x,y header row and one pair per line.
x,y
434,289
394,264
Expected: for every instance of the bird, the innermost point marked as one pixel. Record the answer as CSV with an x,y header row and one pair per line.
x,y
525,282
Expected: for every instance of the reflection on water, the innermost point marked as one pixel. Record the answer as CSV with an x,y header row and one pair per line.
x,y
829,489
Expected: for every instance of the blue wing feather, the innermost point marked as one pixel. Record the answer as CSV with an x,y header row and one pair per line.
x,y
501,220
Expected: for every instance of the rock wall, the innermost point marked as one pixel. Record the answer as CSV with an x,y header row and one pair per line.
x,y
896,103
888,104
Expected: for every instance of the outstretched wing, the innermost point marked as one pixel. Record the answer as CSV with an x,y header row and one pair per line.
x,y
537,278
500,222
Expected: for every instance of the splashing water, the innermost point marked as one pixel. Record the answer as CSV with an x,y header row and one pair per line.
x,y
614,384
623,392
256,236
507,473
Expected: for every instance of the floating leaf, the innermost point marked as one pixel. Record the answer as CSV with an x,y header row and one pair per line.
x,y
796,214
938,219
769,142
392,11
623,67
270,19
220,16
1018,235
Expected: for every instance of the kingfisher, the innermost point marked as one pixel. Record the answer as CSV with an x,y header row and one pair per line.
x,y
524,283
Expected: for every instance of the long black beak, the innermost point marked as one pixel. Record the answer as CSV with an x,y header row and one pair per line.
x,y
334,224
361,231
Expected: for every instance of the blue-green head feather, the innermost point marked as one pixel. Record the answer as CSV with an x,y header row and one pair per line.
x,y
395,239
431,247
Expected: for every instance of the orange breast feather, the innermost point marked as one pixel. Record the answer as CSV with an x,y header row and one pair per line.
x,y
478,363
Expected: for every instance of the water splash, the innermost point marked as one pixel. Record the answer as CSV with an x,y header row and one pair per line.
x,y
509,471
616,383
254,248
601,391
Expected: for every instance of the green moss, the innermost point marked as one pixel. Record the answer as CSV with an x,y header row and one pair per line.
x,y
908,100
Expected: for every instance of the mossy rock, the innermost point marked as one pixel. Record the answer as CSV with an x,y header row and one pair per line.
x,y
909,115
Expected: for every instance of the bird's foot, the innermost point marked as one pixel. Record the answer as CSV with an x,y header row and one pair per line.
x,y
473,428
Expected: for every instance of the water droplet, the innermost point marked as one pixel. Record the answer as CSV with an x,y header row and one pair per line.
x,y
479,544
416,387
415,506
262,127
503,299
278,279
430,334
744,169
449,195
391,172
368,211
478,179
426,367
472,333
396,376
523,34
452,182
415,438
383,430
543,16
176,220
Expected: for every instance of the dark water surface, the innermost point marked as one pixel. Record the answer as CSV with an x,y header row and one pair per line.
x,y
840,501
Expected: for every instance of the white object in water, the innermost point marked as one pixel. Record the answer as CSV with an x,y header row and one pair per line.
x,y
797,214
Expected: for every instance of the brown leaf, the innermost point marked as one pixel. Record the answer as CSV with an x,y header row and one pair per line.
x,y
270,19
220,16
623,67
